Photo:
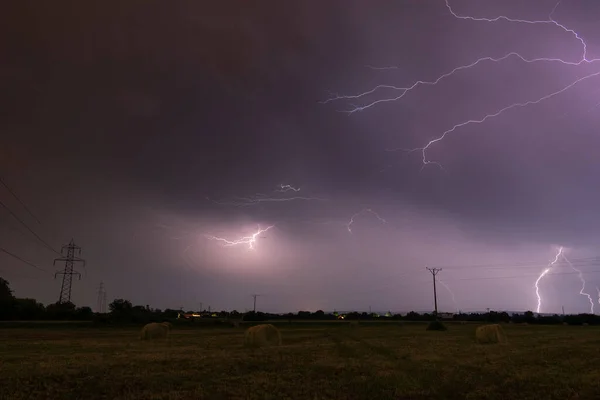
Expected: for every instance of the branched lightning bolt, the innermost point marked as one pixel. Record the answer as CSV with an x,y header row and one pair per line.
x,y
249,240
497,113
598,290
544,272
449,291
361,212
259,198
405,90
286,188
582,292
583,283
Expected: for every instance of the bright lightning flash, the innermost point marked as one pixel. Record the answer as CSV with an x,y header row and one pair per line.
x,y
583,283
544,272
349,224
561,254
584,60
249,240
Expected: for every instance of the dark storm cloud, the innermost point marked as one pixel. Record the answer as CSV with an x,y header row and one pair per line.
x,y
121,120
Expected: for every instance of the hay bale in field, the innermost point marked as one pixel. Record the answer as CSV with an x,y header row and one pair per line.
x,y
436,326
353,324
585,324
463,322
155,330
167,324
262,335
492,333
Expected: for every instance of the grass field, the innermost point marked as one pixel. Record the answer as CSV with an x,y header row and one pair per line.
x,y
327,361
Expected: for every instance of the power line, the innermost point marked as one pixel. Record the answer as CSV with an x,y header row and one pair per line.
x,y
29,229
22,260
19,200
522,264
523,276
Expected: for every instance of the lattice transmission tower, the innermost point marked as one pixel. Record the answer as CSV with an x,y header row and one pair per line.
x,y
68,252
101,299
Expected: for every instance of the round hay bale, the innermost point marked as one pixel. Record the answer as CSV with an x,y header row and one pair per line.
x,y
155,330
262,335
492,333
436,326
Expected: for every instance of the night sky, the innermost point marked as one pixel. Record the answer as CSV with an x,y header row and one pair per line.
x,y
141,129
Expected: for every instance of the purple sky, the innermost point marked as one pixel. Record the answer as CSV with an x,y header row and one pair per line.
x,y
124,127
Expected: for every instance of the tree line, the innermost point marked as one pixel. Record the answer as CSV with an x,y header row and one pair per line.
x,y
122,311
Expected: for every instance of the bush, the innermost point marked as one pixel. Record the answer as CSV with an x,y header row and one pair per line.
x,y
436,326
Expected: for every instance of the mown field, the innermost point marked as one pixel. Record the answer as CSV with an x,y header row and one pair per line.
x,y
327,361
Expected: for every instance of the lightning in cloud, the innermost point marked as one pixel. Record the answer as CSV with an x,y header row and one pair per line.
x,y
598,290
544,273
583,283
249,240
349,224
403,91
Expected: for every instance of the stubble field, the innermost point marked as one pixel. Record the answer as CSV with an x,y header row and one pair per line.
x,y
316,361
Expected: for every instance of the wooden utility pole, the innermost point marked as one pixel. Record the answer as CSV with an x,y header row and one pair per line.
x,y
255,296
434,272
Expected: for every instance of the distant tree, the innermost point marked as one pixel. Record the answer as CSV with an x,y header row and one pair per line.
x,y
529,317
29,309
120,306
121,310
352,316
83,314
61,311
170,313
6,294
6,300
413,316
504,317
303,314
